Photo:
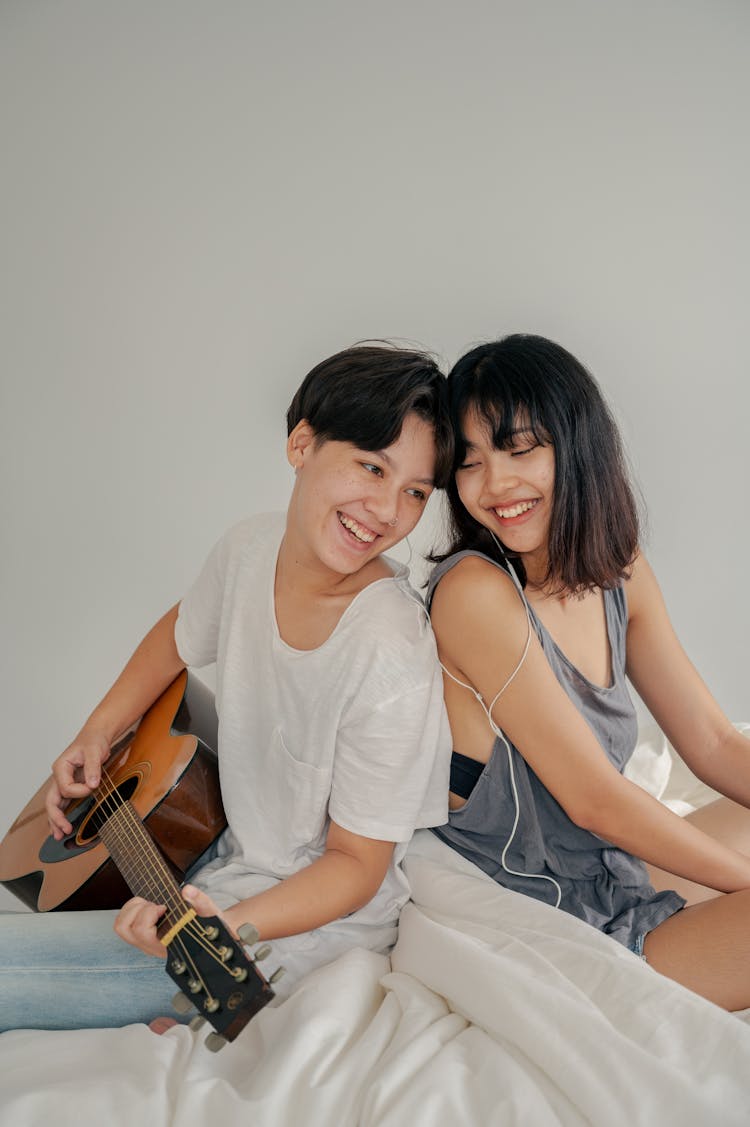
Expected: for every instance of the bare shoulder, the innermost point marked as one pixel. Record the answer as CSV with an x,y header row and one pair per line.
x,y
642,589
472,579
473,598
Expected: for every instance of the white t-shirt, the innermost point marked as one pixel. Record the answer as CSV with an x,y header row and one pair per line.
x,y
354,730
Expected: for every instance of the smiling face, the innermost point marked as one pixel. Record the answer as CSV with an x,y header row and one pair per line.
x,y
349,505
509,491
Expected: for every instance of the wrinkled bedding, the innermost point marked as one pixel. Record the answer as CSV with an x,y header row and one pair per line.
x,y
494,1009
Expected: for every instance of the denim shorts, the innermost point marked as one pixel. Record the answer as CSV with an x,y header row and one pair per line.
x,y
637,945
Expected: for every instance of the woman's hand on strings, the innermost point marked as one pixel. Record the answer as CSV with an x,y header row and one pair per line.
x,y
75,773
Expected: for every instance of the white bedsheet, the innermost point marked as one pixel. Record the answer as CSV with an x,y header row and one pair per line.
x,y
497,1010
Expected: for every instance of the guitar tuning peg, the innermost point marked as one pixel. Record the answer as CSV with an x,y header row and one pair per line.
x,y
262,953
277,974
214,1042
197,1022
181,1003
249,934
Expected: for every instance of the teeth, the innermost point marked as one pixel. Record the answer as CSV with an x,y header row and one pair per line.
x,y
516,510
361,533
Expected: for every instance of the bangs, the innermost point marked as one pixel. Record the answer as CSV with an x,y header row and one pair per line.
x,y
505,407
528,383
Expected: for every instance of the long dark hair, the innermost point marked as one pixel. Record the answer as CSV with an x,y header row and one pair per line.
x,y
363,395
594,526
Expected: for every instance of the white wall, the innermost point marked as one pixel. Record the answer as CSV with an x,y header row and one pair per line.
x,y
201,200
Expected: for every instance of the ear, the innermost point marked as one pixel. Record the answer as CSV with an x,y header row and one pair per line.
x,y
299,444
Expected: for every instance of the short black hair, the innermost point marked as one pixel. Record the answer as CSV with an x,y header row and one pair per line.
x,y
594,527
363,395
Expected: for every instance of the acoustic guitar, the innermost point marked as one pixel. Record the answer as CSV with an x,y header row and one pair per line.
x,y
157,809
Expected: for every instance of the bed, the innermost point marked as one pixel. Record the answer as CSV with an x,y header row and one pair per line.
x,y
493,1009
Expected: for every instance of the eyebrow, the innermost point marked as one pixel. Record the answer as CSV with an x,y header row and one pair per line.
x,y
389,462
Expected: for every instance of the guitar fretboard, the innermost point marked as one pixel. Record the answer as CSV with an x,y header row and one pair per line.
x,y
136,856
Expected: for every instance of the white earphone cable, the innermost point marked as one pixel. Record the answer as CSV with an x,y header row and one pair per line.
x,y
497,731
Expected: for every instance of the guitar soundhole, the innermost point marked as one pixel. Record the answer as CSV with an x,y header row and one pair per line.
x,y
103,809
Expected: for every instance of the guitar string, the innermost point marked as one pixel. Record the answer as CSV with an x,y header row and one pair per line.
x,y
114,804
139,837
194,926
144,851
124,823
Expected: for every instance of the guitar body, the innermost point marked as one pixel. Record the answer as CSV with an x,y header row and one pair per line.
x,y
167,768
156,810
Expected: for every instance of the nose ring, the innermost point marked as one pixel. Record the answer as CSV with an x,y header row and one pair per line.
x,y
393,522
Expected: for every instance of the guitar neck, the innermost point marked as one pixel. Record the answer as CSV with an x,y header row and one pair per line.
x,y
205,960
133,851
170,755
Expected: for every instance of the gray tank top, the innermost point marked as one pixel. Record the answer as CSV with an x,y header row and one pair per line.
x,y
600,883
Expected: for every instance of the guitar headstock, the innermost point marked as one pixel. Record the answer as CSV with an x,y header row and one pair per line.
x,y
216,976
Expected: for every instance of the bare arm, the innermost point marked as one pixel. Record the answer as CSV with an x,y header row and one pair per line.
x,y
676,695
77,770
481,629
345,878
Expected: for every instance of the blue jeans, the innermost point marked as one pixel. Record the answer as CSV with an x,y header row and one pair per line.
x,y
68,970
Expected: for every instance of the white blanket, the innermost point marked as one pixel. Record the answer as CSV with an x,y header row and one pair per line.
x,y
497,1010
